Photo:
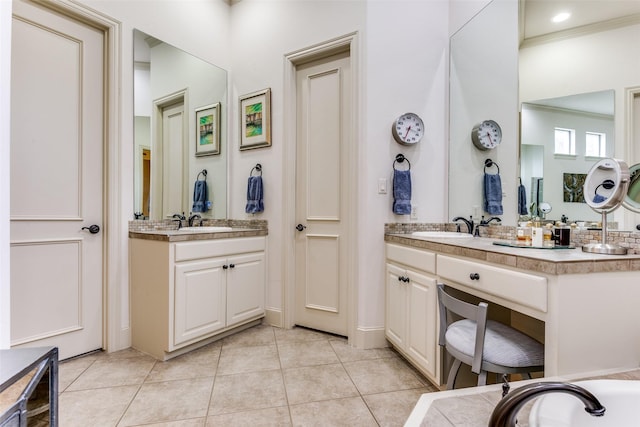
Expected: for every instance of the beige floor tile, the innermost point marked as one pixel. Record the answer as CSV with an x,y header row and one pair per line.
x,y
97,408
169,401
236,360
258,335
199,363
314,383
351,412
248,391
346,353
310,353
382,375
299,334
272,417
69,371
393,408
193,422
114,372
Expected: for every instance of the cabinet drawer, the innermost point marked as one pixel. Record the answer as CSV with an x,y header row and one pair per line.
x,y
521,288
218,247
416,258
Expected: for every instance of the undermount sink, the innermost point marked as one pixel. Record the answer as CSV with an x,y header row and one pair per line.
x,y
619,397
441,234
205,229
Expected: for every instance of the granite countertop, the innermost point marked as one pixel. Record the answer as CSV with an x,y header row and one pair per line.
x,y
549,261
472,407
181,236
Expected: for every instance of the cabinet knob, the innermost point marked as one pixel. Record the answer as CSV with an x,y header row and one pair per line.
x,y
225,266
232,265
474,276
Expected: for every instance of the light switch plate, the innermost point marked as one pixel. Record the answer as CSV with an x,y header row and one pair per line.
x,y
382,186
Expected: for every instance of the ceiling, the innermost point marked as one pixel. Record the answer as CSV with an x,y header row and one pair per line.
x,y
538,14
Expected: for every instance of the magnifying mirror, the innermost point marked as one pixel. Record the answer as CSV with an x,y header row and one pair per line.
x,y
605,189
632,199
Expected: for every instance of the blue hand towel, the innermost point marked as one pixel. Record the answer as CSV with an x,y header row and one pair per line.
x,y
492,194
254,195
598,198
522,200
401,192
199,196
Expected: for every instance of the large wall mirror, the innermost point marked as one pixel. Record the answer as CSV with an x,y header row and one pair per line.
x,y
180,108
574,79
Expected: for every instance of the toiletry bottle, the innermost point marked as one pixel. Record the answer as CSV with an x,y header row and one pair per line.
x,y
536,234
547,236
523,234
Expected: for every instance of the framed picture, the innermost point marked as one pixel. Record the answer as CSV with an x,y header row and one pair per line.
x,y
208,130
255,120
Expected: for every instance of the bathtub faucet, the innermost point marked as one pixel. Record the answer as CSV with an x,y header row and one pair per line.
x,y
504,414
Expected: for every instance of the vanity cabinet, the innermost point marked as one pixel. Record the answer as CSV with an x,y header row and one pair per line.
x,y
583,307
412,307
184,294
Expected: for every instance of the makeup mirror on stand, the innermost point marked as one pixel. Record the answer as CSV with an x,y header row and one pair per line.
x,y
605,189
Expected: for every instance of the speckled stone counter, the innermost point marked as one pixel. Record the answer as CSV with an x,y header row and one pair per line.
x,y
472,407
166,230
549,261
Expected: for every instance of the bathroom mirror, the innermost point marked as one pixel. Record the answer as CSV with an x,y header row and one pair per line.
x,y
587,123
601,55
172,90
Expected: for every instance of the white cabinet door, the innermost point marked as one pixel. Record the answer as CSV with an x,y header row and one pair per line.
x,y
422,337
200,299
245,287
396,306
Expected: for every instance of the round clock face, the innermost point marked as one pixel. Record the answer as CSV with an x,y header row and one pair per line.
x,y
408,129
486,135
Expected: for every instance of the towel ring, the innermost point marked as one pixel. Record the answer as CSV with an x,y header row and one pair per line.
x,y
399,159
202,172
257,167
488,163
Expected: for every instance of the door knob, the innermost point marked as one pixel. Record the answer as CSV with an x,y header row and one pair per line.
x,y
300,227
93,229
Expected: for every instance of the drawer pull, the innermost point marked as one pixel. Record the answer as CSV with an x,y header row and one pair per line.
x,y
403,279
474,276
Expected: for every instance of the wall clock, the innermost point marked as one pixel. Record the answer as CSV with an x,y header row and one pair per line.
x,y
408,129
486,135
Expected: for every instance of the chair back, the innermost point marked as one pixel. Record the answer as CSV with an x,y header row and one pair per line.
x,y
476,313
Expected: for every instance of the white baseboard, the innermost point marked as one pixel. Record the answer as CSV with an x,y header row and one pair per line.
x,y
273,317
366,338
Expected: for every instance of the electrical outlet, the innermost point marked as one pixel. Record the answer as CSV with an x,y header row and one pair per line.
x,y
414,212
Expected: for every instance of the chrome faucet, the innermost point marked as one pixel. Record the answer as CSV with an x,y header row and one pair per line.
x,y
193,217
468,223
504,414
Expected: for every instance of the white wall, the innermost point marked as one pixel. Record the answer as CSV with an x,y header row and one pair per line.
x,y
5,121
403,57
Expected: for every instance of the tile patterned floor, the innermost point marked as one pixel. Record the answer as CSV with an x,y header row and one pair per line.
x,y
263,376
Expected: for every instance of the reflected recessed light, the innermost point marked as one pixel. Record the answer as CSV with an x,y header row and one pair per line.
x,y
561,17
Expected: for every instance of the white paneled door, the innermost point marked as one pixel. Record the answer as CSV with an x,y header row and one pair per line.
x,y
323,118
57,132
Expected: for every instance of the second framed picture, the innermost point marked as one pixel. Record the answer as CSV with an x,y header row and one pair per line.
x,y
255,120
208,130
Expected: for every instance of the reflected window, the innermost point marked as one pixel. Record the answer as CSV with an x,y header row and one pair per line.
x,y
595,144
565,141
